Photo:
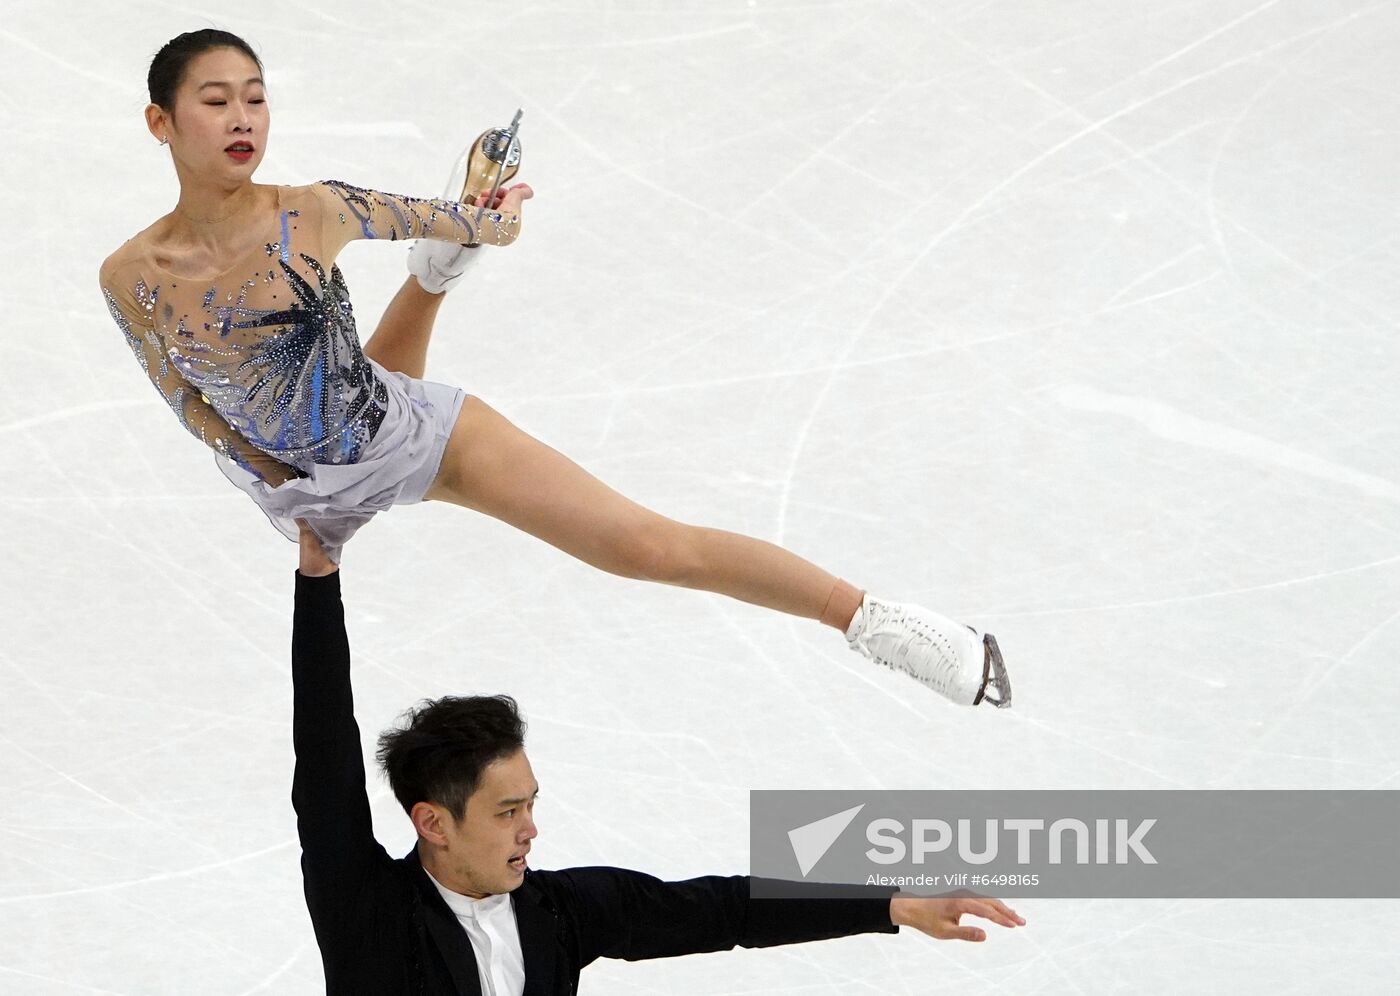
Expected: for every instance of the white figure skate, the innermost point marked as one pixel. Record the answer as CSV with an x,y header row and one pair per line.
x,y
491,160
956,661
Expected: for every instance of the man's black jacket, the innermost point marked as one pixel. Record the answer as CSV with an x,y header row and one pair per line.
x,y
382,926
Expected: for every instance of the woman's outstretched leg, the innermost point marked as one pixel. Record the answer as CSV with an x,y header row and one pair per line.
x,y
493,467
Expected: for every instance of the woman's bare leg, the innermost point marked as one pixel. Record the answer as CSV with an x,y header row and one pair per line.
x,y
493,467
401,341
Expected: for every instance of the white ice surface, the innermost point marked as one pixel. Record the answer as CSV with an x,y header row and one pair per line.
x,y
1074,319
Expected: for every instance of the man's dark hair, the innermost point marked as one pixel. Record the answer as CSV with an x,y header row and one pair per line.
x,y
438,755
168,67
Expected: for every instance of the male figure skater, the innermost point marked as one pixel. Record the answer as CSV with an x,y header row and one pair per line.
x,y
462,914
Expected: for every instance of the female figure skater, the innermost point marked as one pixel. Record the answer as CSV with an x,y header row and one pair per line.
x,y
233,305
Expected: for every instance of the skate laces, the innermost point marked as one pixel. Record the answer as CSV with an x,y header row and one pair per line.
x,y
889,636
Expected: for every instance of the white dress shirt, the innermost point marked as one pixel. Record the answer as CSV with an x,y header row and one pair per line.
x,y
490,926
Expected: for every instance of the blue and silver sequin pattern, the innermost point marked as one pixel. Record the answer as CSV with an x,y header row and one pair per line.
x,y
133,341
264,363
296,383
397,217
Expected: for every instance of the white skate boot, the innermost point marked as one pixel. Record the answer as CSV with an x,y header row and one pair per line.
x,y
956,661
438,264
492,159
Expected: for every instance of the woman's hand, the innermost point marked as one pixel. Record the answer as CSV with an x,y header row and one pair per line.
x,y
502,226
314,562
507,199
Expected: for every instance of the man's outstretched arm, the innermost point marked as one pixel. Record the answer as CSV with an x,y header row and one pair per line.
x,y
338,849
631,915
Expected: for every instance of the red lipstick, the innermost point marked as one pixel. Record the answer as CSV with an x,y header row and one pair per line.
x,y
240,152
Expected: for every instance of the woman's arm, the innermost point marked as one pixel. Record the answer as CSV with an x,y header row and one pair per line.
x,y
349,212
198,417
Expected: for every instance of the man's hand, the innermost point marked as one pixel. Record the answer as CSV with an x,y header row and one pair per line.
x,y
938,916
314,562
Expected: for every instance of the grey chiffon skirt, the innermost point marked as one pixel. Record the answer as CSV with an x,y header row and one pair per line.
x,y
396,468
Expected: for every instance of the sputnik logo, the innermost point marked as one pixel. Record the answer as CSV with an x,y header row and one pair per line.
x,y
811,841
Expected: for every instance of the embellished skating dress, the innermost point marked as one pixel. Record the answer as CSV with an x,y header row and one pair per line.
x,y
262,362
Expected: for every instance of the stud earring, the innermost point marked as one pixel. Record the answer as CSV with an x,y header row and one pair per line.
x,y
164,140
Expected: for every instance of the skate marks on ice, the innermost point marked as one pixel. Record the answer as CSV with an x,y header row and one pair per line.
x,y
1176,426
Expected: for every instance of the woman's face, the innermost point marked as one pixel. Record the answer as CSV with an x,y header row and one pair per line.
x,y
218,126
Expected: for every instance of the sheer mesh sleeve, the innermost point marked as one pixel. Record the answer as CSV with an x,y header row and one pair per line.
x,y
351,213
195,414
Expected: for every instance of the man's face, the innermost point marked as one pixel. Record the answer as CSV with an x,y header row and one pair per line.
x,y
486,849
